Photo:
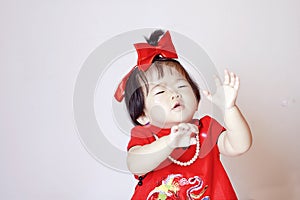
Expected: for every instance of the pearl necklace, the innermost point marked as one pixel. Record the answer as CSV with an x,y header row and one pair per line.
x,y
184,164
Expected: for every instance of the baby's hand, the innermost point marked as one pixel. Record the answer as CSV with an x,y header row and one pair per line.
x,y
226,93
182,135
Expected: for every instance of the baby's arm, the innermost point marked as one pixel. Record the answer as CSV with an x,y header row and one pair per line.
x,y
143,159
237,139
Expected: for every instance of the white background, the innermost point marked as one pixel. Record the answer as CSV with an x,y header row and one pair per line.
x,y
43,45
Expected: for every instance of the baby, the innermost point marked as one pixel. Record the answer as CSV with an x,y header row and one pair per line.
x,y
173,155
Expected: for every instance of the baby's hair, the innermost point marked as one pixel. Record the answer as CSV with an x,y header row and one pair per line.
x,y
154,37
134,94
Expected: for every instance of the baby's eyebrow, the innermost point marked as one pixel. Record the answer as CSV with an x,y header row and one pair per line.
x,y
162,84
156,85
182,79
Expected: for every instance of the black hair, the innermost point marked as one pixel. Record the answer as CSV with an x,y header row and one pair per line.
x,y
134,94
154,37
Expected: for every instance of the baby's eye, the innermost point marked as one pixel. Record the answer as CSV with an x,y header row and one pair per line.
x,y
182,86
159,92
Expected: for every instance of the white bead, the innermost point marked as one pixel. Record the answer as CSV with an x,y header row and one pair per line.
x,y
190,161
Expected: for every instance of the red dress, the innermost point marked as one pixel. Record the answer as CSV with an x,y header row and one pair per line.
x,y
205,179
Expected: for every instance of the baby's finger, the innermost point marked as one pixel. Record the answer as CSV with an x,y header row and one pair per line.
x,y
226,77
237,83
217,81
193,141
193,128
183,127
207,94
174,129
232,79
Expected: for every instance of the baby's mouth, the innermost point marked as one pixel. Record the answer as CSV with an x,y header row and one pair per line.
x,y
177,106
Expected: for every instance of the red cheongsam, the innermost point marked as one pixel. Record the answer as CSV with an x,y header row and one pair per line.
x,y
205,179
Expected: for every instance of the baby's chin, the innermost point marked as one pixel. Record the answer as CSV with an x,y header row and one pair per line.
x,y
175,123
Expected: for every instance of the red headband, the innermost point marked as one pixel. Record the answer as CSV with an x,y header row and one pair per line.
x,y
146,54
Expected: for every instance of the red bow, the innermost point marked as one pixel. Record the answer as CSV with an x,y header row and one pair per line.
x,y
146,54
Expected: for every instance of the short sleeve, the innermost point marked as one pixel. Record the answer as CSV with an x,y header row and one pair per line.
x,y
140,136
211,126
209,133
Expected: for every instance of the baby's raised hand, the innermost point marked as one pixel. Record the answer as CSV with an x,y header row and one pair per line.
x,y
226,93
182,135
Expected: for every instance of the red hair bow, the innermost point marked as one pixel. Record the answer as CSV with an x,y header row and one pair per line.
x,y
146,54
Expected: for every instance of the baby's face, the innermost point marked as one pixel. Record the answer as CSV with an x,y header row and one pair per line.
x,y
170,99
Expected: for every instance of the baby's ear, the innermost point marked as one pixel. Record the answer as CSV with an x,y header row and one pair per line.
x,y
143,120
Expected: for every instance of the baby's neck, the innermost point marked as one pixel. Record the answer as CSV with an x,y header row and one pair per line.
x,y
170,125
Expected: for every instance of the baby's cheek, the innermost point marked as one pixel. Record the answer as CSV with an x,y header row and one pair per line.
x,y
158,114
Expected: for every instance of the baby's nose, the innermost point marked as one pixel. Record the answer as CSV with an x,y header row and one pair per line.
x,y
176,95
